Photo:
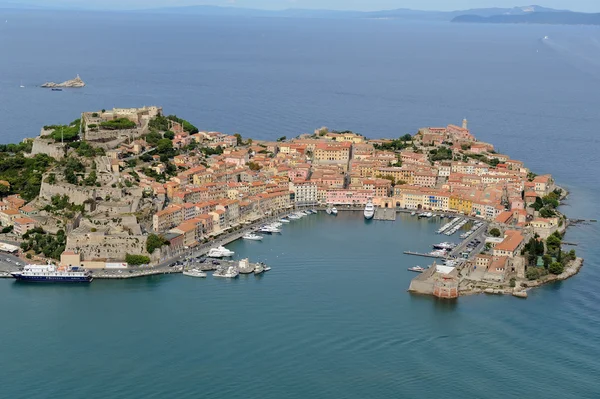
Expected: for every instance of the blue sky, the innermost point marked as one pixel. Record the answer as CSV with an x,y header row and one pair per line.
x,y
576,5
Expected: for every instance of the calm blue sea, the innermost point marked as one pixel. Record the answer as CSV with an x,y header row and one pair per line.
x,y
333,318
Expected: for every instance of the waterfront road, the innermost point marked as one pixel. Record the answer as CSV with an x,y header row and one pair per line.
x,y
478,234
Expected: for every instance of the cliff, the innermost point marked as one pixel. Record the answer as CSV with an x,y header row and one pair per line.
x,y
77,82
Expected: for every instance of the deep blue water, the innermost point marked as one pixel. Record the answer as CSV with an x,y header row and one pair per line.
x,y
333,318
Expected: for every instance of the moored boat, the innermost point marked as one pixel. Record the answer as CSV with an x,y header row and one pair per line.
x,y
230,272
252,237
334,211
369,211
417,269
220,252
50,273
194,273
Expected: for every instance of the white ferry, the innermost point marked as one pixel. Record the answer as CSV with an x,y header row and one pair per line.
x,y
369,210
50,273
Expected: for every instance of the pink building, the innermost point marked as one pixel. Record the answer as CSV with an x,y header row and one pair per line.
x,y
298,173
349,197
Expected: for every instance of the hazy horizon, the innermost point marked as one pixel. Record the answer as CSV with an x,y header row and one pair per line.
x,y
354,5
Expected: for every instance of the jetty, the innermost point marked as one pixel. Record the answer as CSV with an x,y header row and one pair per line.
x,y
388,214
424,255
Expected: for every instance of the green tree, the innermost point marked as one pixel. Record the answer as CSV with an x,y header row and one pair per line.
x,y
164,146
118,124
556,268
154,242
547,260
169,135
282,138
238,138
91,179
495,232
136,259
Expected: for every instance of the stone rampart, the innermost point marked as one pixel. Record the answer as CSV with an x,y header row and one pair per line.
x,y
98,246
78,194
49,147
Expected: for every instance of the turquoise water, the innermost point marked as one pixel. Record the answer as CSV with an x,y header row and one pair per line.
x,y
332,319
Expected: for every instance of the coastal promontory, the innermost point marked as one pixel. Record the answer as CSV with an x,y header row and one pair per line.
x,y
73,83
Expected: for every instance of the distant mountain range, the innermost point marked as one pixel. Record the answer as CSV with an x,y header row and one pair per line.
x,y
552,18
400,13
527,14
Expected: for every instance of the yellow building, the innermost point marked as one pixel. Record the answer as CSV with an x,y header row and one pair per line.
x,y
350,138
460,205
399,174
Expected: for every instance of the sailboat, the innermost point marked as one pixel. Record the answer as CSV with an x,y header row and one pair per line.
x,y
21,86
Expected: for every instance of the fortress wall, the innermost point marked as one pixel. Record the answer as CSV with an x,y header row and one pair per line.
x,y
42,146
95,246
78,194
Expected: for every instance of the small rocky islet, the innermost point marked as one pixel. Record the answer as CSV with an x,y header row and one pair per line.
x,y
73,83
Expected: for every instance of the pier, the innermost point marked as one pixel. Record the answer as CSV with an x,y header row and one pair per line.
x,y
424,255
388,214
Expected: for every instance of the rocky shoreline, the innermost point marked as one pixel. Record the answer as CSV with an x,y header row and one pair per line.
x,y
521,292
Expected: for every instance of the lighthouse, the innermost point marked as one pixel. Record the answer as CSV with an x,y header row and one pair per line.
x,y
465,122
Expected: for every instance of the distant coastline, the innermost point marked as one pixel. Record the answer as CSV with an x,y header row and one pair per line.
x,y
549,18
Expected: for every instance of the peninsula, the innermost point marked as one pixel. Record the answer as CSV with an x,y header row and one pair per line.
x,y
136,188
73,83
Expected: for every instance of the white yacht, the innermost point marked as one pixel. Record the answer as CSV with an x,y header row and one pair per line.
x,y
328,210
334,211
293,216
252,237
369,210
276,224
268,229
194,273
230,272
220,252
444,245
283,221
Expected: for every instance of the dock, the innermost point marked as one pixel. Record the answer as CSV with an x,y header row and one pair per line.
x,y
388,214
424,255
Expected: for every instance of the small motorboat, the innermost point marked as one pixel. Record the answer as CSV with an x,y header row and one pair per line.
x,y
55,89
283,221
194,273
252,237
334,211
417,269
